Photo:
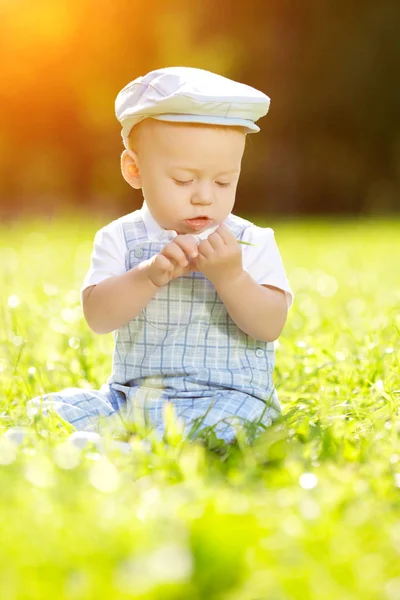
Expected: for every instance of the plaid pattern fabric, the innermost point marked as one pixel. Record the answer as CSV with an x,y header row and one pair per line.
x,y
184,348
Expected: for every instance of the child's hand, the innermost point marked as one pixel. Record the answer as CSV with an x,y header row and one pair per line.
x,y
220,256
175,260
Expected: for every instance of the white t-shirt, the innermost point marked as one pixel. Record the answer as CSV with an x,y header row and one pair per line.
x,y
262,261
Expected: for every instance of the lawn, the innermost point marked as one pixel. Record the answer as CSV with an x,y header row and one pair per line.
x,y
310,510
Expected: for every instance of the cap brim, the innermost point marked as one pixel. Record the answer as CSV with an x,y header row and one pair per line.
x,y
248,125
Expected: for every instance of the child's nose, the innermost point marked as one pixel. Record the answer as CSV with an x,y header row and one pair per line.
x,y
203,194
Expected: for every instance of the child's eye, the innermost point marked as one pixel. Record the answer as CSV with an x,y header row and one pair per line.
x,y
222,184
178,182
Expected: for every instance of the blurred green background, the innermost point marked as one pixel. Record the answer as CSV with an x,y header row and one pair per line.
x,y
330,143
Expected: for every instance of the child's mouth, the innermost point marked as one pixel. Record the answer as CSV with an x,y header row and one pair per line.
x,y
197,223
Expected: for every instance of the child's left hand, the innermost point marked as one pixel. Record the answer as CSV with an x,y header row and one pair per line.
x,y
220,257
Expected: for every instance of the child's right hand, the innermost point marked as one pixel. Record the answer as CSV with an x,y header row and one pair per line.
x,y
175,260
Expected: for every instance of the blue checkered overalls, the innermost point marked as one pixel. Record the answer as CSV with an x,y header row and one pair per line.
x,y
184,348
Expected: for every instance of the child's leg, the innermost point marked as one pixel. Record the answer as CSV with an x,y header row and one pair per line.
x,y
235,410
225,413
81,408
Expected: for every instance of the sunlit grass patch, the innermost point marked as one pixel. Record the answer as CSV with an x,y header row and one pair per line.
x,y
308,510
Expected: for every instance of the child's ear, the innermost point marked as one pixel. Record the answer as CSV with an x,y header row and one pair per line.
x,y
129,169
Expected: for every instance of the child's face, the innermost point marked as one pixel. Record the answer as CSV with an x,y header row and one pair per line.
x,y
188,172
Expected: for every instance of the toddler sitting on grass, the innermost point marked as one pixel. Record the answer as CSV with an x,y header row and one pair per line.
x,y
194,295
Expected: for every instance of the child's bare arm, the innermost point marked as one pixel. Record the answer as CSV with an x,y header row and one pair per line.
x,y
117,300
259,311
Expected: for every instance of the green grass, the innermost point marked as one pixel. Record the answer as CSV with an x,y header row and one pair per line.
x,y
310,510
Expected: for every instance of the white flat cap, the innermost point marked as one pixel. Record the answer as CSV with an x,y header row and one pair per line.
x,y
190,95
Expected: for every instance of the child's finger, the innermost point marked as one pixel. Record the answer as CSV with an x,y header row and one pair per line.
x,y
174,252
205,248
163,263
188,243
226,234
216,241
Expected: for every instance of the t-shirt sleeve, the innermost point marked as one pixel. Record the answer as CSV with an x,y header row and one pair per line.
x,y
108,255
263,260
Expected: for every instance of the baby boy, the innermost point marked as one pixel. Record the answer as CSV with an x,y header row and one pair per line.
x,y
194,295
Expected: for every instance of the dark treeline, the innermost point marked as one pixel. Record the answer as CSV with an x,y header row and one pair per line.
x,y
330,143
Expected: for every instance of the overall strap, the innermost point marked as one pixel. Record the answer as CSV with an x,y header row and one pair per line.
x,y
134,233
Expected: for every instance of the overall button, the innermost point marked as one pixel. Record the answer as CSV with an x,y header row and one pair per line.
x,y
138,252
259,353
